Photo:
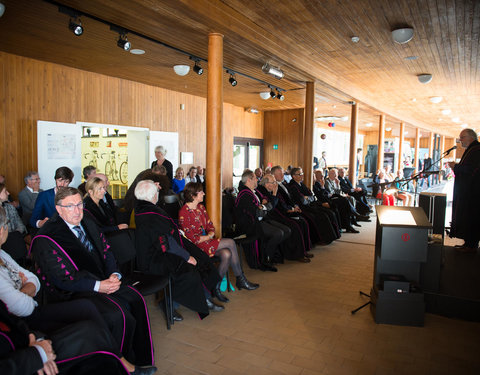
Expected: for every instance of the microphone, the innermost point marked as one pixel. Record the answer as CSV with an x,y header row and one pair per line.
x,y
449,150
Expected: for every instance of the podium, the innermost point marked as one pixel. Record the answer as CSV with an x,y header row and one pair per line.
x,y
401,242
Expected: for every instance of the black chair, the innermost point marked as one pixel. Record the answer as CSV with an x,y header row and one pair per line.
x,y
171,204
122,244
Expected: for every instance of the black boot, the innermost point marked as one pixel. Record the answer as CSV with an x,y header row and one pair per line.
x,y
243,283
218,293
212,306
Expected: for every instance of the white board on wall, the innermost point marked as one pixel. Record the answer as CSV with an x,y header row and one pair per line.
x,y
58,145
169,140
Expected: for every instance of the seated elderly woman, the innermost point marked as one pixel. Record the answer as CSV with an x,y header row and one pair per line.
x,y
194,221
103,214
18,287
18,235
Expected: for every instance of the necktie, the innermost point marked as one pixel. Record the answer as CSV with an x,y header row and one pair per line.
x,y
83,238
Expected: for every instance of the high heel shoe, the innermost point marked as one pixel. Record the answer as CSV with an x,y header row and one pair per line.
x,y
243,283
218,293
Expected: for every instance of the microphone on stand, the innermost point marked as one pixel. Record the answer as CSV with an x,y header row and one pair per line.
x,y
450,150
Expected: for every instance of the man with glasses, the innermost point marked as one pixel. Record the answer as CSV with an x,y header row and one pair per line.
x,y
28,196
74,261
44,205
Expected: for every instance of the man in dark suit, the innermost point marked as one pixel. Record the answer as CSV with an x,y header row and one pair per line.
x,y
358,193
29,194
44,205
74,261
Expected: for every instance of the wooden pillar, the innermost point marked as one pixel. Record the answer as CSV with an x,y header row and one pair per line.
x,y
352,165
400,146
417,148
213,175
308,134
430,146
381,142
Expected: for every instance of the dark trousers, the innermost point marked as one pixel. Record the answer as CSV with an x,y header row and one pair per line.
x,y
273,234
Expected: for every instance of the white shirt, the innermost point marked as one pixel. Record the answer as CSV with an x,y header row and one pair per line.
x,y
17,302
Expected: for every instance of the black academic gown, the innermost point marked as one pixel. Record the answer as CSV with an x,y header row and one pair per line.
x,y
339,203
153,256
104,216
296,246
81,348
68,271
326,221
466,202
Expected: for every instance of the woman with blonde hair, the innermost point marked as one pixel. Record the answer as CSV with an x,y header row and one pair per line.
x,y
178,183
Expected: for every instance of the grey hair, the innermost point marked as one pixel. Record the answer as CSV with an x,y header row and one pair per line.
x,y
146,191
266,179
161,149
29,176
3,217
247,174
471,133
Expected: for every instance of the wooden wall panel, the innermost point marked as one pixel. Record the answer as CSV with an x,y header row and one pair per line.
x,y
287,134
33,90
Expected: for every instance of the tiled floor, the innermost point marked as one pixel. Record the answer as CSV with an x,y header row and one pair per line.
x,y
298,322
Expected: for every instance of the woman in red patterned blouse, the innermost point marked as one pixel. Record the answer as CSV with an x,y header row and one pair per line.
x,y
194,221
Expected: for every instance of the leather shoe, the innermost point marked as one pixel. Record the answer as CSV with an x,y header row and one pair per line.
x,y
268,267
243,283
363,218
308,255
177,316
214,307
356,224
144,370
218,293
304,260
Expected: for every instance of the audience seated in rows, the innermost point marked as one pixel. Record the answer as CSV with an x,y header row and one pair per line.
x,y
88,172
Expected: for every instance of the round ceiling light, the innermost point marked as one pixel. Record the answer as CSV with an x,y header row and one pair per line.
x,y
424,78
2,9
355,39
137,51
402,36
368,124
181,70
464,126
265,95
388,129
436,99
446,112
455,119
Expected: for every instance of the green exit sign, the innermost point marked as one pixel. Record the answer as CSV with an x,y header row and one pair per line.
x,y
275,147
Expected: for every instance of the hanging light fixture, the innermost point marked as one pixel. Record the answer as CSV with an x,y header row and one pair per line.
x,y
197,68
232,79
276,72
76,27
272,93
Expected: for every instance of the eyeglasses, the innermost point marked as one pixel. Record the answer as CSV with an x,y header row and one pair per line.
x,y
72,207
298,174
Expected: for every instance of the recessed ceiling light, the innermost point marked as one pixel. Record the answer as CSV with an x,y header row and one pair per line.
x,y
414,99
368,124
388,129
334,106
446,112
181,70
355,39
137,51
265,95
436,99
425,78
464,126
402,36
316,108
344,118
455,119
405,132
411,57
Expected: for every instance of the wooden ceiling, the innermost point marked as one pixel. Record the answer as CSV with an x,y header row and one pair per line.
x,y
308,39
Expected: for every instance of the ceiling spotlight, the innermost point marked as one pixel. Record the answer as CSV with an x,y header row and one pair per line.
x,y
436,99
464,126
402,36
424,78
388,129
369,124
123,42
355,39
446,112
232,79
252,110
181,70
76,28
265,95
197,68
269,69
455,119
280,96
272,94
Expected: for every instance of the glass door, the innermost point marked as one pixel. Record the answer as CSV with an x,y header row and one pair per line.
x,y
247,153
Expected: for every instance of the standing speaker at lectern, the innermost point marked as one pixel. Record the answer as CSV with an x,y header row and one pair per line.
x,y
466,203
